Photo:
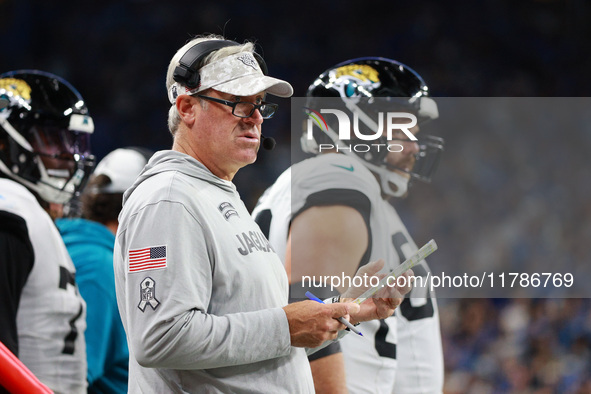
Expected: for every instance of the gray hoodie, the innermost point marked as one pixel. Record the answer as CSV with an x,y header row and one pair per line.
x,y
199,288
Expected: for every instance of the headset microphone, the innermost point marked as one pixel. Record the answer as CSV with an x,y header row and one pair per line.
x,y
268,143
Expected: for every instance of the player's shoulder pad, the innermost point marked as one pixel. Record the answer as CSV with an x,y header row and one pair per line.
x,y
336,171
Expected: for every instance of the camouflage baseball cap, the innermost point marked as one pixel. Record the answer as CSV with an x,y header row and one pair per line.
x,y
238,74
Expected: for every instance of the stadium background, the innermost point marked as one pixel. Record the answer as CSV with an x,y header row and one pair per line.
x,y
116,53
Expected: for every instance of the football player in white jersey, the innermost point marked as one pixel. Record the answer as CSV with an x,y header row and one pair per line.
x,y
44,160
335,208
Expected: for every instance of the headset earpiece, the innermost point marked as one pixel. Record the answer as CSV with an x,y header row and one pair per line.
x,y
187,74
261,63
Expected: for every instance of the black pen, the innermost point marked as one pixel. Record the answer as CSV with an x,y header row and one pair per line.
x,y
341,319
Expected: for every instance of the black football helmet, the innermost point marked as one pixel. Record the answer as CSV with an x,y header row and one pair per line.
x,y
357,83
44,134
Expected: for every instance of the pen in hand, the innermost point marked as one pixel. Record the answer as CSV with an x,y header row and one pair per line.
x,y
341,319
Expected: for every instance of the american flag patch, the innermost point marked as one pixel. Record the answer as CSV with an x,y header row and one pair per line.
x,y
147,259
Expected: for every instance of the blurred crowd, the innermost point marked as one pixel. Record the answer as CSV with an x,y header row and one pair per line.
x,y
517,346
512,196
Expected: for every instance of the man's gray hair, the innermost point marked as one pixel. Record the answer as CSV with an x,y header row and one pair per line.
x,y
174,118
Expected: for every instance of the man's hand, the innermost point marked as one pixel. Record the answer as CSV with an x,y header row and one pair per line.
x,y
385,301
312,323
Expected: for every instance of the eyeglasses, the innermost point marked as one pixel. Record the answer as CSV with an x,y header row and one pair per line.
x,y
245,109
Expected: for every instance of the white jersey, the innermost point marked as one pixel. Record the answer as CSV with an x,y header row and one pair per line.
x,y
51,316
412,335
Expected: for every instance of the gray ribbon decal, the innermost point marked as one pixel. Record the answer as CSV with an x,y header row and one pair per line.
x,y
148,294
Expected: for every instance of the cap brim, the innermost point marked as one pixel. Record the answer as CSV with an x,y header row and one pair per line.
x,y
249,85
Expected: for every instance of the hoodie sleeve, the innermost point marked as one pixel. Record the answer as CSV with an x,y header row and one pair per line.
x,y
166,301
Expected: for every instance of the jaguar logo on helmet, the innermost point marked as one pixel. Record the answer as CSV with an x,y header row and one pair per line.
x,y
352,79
13,92
15,87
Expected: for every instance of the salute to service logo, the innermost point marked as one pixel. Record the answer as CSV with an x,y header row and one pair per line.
x,y
148,294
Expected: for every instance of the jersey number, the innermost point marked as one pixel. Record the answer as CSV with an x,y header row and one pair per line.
x,y
387,349
406,309
66,277
383,347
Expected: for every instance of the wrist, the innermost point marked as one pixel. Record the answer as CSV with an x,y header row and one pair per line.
x,y
333,300
338,298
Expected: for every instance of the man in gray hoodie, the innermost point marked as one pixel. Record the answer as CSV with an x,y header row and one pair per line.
x,y
202,295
